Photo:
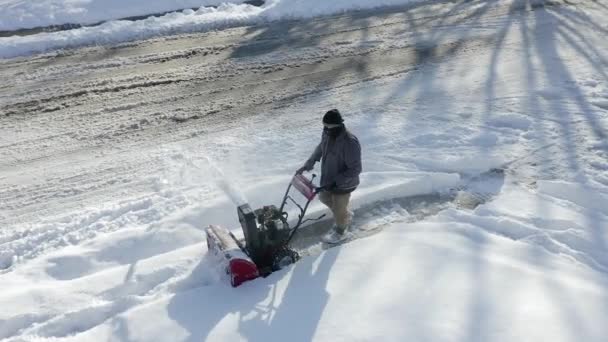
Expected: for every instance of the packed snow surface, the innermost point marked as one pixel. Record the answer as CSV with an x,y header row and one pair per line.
x,y
114,159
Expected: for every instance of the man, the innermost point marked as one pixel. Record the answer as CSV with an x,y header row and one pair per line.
x,y
340,156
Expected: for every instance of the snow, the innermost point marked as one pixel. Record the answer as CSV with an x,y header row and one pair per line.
x,y
227,14
513,121
104,242
435,283
117,31
24,14
579,194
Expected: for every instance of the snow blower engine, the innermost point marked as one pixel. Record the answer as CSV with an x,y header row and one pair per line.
x,y
267,235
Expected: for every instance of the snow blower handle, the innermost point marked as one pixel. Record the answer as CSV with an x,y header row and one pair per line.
x,y
304,186
315,189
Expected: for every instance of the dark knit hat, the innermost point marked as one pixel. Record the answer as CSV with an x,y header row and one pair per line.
x,y
333,117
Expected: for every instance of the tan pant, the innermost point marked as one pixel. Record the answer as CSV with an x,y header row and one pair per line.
x,y
338,204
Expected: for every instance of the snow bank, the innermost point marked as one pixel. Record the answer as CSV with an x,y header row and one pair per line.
x,y
280,9
121,31
469,164
23,14
381,186
226,15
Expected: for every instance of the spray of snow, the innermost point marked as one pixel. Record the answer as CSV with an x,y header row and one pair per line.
x,y
224,183
188,171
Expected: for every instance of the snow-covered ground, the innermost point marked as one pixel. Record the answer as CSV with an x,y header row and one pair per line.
x,y
112,160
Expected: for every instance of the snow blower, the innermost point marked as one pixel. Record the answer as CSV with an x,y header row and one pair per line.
x,y
267,234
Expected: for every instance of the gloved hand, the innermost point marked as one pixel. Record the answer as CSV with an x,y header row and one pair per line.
x,y
302,169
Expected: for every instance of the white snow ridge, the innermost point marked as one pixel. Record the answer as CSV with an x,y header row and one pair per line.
x,y
226,14
482,213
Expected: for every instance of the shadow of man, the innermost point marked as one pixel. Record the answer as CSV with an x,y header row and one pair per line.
x,y
201,303
266,308
294,312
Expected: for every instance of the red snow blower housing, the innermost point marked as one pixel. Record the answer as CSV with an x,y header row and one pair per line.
x,y
267,233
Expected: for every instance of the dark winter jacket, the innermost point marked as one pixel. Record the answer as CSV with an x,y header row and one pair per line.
x,y
340,162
